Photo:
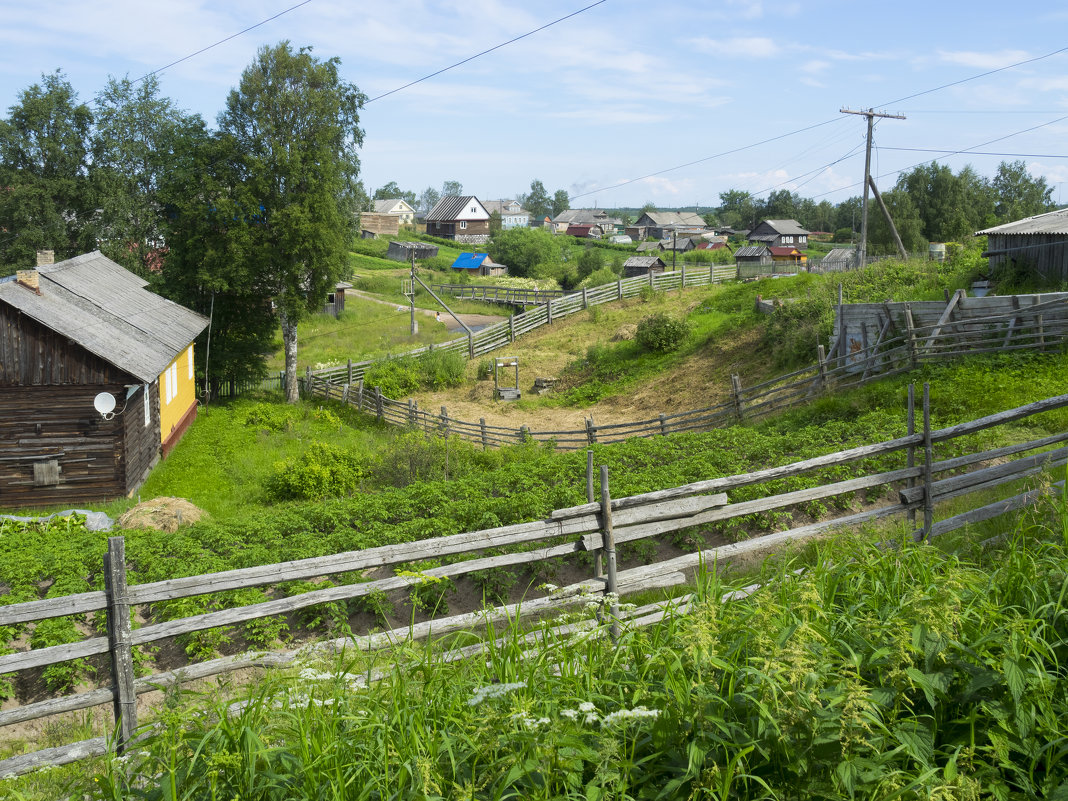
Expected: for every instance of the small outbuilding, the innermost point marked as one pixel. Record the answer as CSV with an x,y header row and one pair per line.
x,y
478,264
1036,244
642,265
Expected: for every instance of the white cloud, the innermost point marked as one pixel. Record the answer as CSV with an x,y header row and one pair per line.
x,y
983,59
750,46
815,67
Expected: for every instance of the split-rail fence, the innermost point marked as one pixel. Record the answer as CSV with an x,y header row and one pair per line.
x,y
915,482
877,341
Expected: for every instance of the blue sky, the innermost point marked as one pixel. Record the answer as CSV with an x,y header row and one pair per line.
x,y
618,92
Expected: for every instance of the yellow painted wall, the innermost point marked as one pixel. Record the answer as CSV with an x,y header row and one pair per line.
x,y
177,392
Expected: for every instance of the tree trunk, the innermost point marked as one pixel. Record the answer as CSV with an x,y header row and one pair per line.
x,y
289,343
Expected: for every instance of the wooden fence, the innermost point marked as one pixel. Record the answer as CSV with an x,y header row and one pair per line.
x,y
917,482
500,294
501,334
859,355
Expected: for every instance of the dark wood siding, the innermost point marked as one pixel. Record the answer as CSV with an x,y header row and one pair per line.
x,y
46,424
32,355
1046,254
142,443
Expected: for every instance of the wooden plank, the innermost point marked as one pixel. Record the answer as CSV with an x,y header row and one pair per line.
x,y
1007,471
54,757
118,626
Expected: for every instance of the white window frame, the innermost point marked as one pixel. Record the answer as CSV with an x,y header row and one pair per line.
x,y
463,224
190,352
148,408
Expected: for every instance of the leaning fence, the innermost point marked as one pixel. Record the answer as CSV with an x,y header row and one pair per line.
x,y
901,476
857,355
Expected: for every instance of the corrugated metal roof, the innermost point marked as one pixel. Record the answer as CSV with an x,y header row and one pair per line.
x,y
452,207
1052,222
786,226
469,261
751,250
106,309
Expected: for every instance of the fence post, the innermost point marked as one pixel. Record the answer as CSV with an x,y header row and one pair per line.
x,y
651,286
910,454
119,632
549,310
379,410
619,289
445,422
482,426
345,393
663,424
511,328
609,550
928,500
470,345
350,372
736,394
524,434
598,566
585,299
411,411
683,276
359,395
307,381
712,273
591,431
911,329
821,356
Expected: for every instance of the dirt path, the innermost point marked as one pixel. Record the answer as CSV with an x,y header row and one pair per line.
x,y
473,321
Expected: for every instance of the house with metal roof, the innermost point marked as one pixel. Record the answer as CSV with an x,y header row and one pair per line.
x,y
397,207
661,224
513,215
462,218
779,233
599,217
96,381
478,264
1037,245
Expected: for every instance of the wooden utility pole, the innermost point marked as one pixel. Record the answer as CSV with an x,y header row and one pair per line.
x,y
871,114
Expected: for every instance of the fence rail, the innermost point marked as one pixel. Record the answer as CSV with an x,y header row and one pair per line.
x,y
504,333
597,526
499,294
853,359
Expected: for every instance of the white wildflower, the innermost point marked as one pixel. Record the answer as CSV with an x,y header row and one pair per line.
x,y
493,691
592,718
623,715
570,714
587,706
549,588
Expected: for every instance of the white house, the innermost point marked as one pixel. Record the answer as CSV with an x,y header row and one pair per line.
x,y
398,207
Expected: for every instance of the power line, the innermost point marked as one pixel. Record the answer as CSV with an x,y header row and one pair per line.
x,y
975,77
484,52
981,152
222,41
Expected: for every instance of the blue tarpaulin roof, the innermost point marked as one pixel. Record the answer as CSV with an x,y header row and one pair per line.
x,y
469,261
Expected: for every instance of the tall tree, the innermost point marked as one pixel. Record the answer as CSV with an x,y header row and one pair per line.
x,y
207,268
392,190
736,209
428,199
537,202
47,191
296,126
137,136
451,188
1017,194
561,202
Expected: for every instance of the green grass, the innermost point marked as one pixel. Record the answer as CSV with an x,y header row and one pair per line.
x,y
855,672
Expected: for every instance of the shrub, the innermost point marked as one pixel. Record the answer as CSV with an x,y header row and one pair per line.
x,y
599,278
442,368
396,377
661,332
322,471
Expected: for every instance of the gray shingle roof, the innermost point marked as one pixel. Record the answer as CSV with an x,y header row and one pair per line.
x,y
642,261
786,227
106,309
1052,222
751,250
688,218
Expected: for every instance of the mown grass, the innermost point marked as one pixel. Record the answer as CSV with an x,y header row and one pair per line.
x,y
856,671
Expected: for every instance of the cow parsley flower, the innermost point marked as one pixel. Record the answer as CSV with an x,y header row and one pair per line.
x,y
493,691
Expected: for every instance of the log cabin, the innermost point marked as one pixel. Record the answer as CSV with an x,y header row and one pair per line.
x,y
68,332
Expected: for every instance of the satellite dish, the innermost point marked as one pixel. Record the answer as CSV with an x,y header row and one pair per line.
x,y
105,404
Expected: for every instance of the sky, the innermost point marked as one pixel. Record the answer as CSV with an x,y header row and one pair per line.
x,y
621,104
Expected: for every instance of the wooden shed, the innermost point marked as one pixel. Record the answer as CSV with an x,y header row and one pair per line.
x,y
1038,244
642,265
68,332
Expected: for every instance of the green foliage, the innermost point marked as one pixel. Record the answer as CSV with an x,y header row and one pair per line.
x,y
599,278
524,248
322,471
661,332
402,376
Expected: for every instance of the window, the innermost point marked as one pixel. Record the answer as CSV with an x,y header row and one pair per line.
x,y
474,210
463,223
788,239
171,382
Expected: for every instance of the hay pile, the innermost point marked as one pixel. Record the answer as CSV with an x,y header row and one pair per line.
x,y
164,514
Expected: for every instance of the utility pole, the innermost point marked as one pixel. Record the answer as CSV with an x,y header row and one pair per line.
x,y
871,114
411,297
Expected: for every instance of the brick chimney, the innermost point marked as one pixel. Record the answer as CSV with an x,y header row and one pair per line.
x,y
45,257
29,279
